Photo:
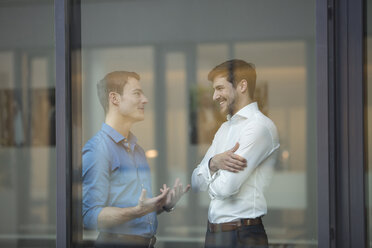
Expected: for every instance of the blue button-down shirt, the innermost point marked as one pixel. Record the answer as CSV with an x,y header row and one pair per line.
x,y
115,171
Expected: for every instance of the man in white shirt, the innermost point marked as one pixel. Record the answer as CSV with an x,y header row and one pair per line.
x,y
238,165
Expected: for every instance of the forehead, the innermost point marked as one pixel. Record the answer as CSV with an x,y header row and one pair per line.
x,y
132,84
220,81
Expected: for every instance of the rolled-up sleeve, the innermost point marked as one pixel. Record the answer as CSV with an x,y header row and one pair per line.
x,y
255,146
95,186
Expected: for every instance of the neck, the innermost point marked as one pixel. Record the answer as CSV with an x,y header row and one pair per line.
x,y
119,124
241,103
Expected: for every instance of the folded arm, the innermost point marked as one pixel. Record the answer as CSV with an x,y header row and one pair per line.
x,y
227,160
206,171
255,146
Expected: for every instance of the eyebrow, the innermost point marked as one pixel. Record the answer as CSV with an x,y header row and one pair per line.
x,y
139,90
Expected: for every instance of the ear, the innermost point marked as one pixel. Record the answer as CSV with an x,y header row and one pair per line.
x,y
114,98
243,86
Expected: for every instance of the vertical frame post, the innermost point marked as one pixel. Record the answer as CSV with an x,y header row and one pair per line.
x,y
68,120
325,121
357,162
350,148
63,122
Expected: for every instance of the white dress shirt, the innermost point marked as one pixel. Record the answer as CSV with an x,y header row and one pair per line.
x,y
240,195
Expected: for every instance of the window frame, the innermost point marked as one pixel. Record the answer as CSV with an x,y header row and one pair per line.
x,y
340,121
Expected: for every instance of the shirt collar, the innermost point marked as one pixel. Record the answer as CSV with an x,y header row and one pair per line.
x,y
132,140
117,137
244,112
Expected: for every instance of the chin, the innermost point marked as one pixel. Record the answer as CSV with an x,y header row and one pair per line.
x,y
139,118
223,111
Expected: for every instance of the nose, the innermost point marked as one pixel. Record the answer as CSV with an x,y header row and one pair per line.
x,y
215,95
145,100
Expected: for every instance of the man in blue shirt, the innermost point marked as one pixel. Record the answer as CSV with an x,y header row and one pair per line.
x,y
117,195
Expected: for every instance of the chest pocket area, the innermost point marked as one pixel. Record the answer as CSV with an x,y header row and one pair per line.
x,y
122,174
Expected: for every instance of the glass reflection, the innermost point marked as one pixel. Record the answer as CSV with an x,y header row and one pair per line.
x,y
173,53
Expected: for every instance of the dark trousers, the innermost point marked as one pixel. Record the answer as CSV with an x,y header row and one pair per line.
x,y
116,245
244,237
106,240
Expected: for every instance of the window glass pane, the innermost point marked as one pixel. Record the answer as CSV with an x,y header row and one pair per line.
x,y
173,45
27,125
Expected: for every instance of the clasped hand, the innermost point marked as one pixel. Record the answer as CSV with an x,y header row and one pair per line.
x,y
228,161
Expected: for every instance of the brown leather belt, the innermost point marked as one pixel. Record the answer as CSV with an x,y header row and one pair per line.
x,y
126,239
233,225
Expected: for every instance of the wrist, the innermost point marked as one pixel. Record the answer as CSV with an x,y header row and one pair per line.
x,y
139,210
211,165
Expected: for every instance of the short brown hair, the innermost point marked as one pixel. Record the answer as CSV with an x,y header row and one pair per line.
x,y
113,82
234,71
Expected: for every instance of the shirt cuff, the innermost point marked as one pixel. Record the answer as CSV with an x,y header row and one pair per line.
x,y
206,173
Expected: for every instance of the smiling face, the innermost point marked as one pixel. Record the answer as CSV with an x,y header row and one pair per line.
x,y
225,95
132,101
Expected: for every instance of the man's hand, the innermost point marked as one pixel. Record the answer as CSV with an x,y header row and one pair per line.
x,y
228,161
148,205
175,194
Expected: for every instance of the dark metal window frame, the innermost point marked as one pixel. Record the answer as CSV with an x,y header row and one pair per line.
x,y
63,124
340,120
341,154
68,137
